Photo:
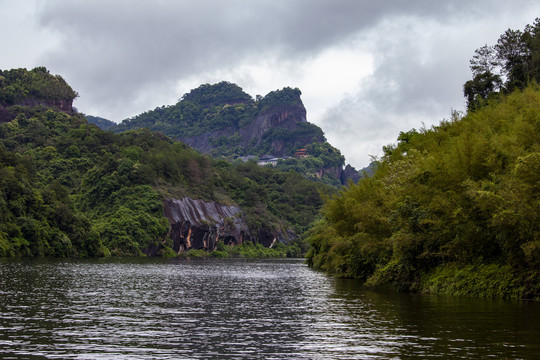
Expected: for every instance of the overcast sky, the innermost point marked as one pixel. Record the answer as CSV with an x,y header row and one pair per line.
x,y
367,69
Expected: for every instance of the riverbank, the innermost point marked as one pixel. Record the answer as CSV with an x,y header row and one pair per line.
x,y
483,281
479,280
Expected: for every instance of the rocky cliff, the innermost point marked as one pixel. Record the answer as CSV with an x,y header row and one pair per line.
x,y
285,117
7,113
222,121
37,87
198,224
349,174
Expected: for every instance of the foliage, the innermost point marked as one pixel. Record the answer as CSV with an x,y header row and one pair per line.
x,y
286,96
482,280
465,192
222,93
515,59
323,164
205,109
19,84
67,188
217,116
103,124
248,250
270,197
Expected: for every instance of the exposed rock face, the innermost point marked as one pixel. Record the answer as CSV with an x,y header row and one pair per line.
x,y
64,105
197,224
285,116
349,173
202,142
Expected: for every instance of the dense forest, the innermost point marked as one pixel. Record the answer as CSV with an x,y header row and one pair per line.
x,y
455,208
102,123
17,85
221,121
68,188
209,108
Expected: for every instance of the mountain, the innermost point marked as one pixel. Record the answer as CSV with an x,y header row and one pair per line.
x,y
223,121
20,88
68,188
103,124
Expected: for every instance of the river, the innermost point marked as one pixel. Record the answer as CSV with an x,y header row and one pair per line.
x,y
241,309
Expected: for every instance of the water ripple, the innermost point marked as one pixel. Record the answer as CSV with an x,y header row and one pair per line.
x,y
239,309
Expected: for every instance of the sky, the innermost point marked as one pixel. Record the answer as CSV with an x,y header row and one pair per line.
x,y
367,69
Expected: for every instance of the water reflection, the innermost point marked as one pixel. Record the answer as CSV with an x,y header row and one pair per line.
x,y
424,326
241,309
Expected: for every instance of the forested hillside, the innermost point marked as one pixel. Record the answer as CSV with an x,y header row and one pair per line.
x,y
20,88
455,208
67,188
104,124
223,121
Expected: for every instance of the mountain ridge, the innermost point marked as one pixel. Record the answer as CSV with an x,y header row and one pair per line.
x,y
70,189
223,121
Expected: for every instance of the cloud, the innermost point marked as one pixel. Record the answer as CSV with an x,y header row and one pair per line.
x,y
367,69
420,66
119,55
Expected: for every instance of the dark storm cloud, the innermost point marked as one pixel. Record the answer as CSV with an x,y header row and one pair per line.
x,y
115,52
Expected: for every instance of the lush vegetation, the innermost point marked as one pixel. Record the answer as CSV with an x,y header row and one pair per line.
x,y
510,64
322,164
104,124
286,96
221,112
67,188
19,84
454,208
202,110
223,106
222,94
272,198
249,250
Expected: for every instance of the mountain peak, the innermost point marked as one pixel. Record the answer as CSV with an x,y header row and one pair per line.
x,y
31,88
219,94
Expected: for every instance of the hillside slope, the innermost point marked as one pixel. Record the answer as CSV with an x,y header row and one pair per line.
x,y
20,88
223,121
68,188
453,209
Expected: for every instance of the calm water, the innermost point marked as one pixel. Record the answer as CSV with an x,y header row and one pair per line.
x,y
240,309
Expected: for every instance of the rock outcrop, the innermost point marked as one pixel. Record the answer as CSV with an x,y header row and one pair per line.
x,y
198,224
64,105
285,116
349,173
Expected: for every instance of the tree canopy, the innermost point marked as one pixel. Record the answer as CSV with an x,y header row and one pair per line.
x,y
451,209
68,188
510,64
19,84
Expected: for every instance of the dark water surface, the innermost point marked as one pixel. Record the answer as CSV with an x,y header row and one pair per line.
x,y
241,309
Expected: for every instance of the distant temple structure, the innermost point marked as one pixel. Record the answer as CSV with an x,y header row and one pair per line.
x,y
301,153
